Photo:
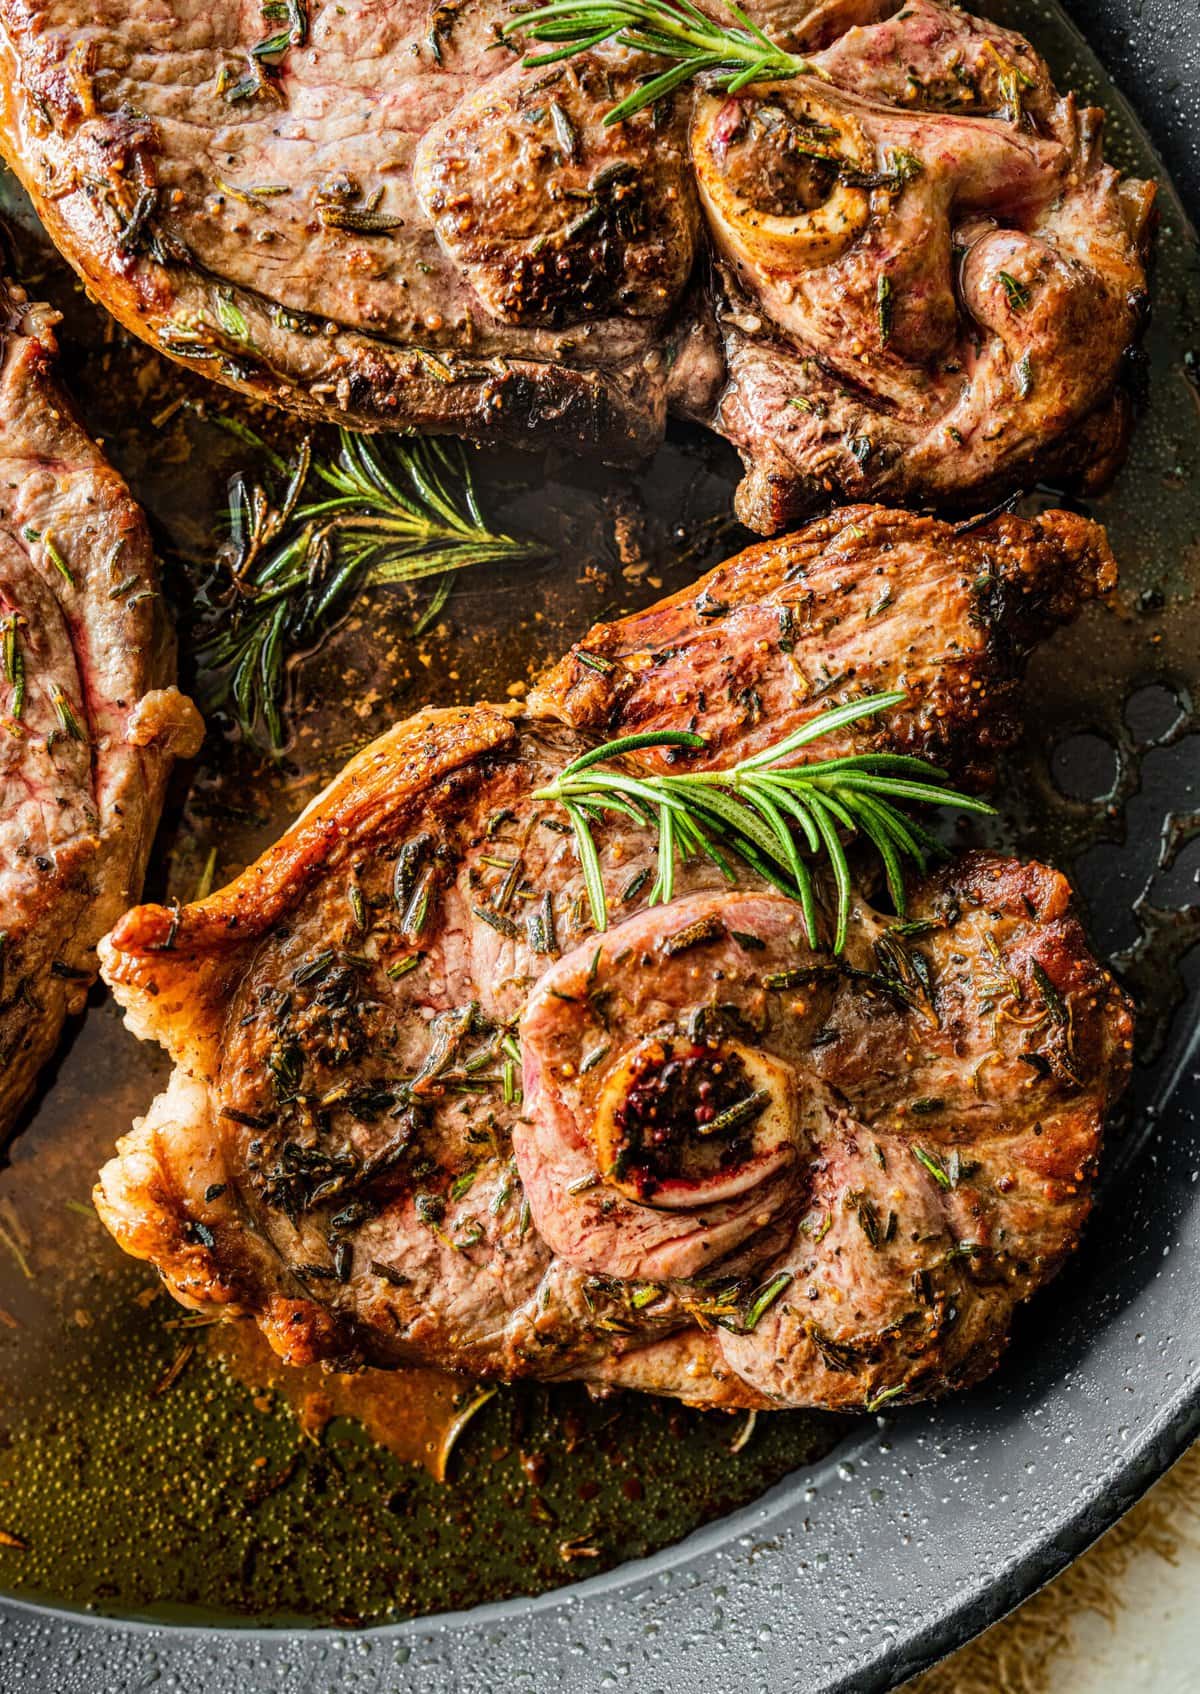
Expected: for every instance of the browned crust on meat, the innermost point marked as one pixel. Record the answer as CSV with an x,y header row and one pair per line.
x,y
173,968
478,303
1039,1170
174,971
172,1194
339,375
865,594
94,649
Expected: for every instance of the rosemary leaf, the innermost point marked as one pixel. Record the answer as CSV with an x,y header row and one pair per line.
x,y
380,512
732,55
765,809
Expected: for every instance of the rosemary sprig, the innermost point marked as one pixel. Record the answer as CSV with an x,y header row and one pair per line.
x,y
730,56
385,510
762,809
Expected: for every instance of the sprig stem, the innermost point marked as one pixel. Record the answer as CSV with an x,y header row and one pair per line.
x,y
670,29
394,511
766,811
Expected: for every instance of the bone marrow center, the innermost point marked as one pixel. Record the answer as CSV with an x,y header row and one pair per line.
x,y
681,1122
778,160
777,174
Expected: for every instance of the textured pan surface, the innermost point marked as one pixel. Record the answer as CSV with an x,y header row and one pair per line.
x,y
917,1531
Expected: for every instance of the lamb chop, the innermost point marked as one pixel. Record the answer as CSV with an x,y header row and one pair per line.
x,y
89,719
906,271
422,1110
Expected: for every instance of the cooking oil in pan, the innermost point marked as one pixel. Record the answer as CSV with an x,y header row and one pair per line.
x,y
151,1465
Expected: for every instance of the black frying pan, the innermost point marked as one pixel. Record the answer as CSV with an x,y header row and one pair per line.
x,y
920,1529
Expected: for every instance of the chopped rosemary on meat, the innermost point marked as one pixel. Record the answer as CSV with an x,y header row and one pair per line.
x,y
742,1112
733,55
884,306
868,1219
835,1355
693,935
635,885
565,133
71,726
595,1057
381,512
293,15
817,1224
358,219
14,663
936,1169
540,927
53,553
756,808
462,1184
764,1298
1018,294
230,315
502,925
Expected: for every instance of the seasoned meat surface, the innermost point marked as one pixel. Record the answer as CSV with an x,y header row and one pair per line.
x,y
942,1135
861,601
88,717
908,273
421,1110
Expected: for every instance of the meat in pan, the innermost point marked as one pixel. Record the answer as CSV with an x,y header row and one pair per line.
x,y
907,272
743,1171
89,721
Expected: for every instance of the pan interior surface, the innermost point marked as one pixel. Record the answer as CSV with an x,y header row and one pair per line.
x,y
148,1473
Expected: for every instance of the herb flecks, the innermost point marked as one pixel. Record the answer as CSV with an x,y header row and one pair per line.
x,y
540,927
14,662
693,935
737,1116
764,1298
1015,292
70,724
934,1166
840,1356
53,552
286,23
885,307
358,219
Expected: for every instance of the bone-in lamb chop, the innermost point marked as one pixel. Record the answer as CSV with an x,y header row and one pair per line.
x,y
421,1110
89,721
907,272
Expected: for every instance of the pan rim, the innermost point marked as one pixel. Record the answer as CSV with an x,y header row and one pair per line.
x,y
1113,1490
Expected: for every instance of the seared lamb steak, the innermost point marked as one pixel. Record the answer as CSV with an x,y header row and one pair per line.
x,y
88,719
909,272
743,1171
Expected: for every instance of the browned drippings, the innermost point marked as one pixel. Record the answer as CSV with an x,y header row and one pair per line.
x,y
417,1413
178,1452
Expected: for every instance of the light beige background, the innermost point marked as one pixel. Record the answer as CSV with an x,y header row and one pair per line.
x,y
1125,1619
